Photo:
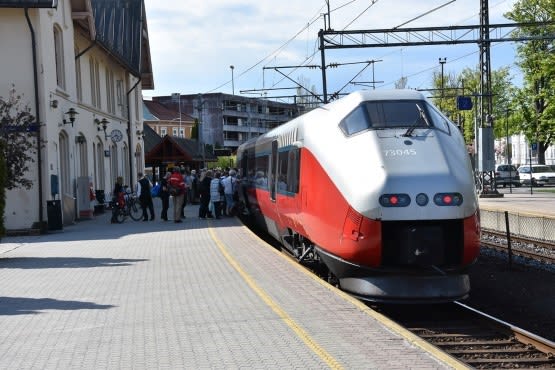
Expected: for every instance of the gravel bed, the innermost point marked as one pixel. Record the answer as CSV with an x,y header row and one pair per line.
x,y
523,295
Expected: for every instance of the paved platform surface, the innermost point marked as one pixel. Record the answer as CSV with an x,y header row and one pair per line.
x,y
521,200
203,294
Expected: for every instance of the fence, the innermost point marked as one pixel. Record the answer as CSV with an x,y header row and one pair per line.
x,y
520,224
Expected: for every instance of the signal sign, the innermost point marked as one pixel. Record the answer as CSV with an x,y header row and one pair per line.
x,y
464,103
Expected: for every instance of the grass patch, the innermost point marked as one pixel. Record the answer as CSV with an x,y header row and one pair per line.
x,y
544,190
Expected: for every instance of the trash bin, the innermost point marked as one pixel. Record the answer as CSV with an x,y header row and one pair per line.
x,y
100,197
101,200
54,214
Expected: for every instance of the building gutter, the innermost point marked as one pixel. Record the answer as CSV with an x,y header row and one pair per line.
x,y
129,131
39,137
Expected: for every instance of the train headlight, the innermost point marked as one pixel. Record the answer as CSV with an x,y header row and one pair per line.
x,y
395,200
422,199
448,199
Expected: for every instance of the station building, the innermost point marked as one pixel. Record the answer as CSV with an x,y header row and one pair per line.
x,y
80,66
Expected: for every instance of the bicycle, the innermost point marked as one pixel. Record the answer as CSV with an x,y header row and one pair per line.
x,y
131,207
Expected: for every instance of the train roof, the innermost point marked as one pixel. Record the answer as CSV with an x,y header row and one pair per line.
x,y
336,110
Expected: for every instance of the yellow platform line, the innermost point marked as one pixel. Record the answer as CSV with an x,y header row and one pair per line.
x,y
392,325
299,331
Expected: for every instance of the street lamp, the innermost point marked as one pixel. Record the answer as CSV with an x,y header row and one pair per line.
x,y
442,61
232,81
508,154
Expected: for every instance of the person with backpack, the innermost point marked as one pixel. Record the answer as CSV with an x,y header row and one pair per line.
x,y
165,196
177,190
217,194
230,187
145,196
204,193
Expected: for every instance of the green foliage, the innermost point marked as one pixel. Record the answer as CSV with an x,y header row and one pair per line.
x,y
17,126
223,162
468,83
535,102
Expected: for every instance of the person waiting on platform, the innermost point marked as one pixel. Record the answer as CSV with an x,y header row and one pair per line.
x,y
165,196
145,196
117,198
177,190
204,193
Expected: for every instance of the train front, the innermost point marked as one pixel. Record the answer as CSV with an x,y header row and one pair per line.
x,y
413,223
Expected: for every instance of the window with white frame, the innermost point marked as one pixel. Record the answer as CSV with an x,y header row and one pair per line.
x,y
95,82
174,131
163,131
119,97
92,84
59,57
78,81
110,92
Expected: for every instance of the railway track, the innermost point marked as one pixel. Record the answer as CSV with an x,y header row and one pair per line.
x,y
477,339
525,247
474,338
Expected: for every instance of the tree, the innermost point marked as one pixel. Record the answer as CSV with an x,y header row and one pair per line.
x,y
468,83
535,101
18,135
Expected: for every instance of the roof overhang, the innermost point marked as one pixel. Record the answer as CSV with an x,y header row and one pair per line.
x,y
147,77
28,3
82,14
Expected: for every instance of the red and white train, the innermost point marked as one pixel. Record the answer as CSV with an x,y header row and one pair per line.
x,y
378,187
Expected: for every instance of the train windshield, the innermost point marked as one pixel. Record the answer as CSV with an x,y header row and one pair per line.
x,y
409,114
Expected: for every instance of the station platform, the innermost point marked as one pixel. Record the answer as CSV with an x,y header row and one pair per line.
x,y
202,294
540,202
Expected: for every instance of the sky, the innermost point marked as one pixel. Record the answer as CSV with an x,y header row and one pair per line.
x,y
193,44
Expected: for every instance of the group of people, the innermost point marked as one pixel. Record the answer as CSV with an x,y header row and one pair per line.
x,y
217,190
214,189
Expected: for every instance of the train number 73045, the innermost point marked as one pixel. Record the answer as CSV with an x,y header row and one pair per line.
x,y
399,152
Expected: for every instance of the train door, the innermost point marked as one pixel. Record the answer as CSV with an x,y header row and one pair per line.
x,y
272,173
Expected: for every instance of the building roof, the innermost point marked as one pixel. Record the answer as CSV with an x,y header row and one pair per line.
x,y
151,138
161,112
121,29
176,150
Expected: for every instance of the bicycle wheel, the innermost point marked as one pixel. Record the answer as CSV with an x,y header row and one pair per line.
x,y
135,210
120,215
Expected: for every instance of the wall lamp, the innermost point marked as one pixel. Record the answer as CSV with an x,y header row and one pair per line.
x,y
102,126
71,113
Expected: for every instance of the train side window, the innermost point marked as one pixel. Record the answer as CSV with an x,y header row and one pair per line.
x,y
261,168
293,167
282,171
356,121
